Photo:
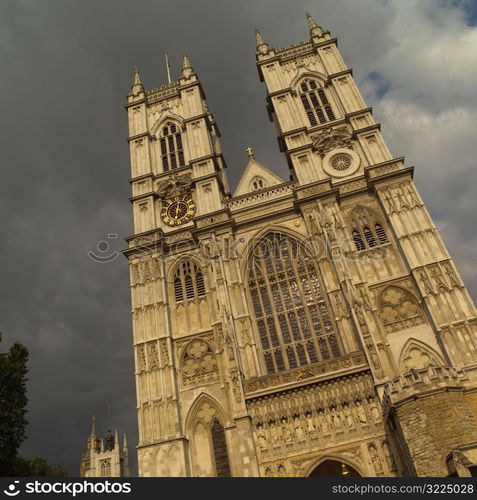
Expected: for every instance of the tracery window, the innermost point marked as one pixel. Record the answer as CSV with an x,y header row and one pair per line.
x,y
291,311
188,282
258,183
105,466
366,231
316,104
172,151
219,444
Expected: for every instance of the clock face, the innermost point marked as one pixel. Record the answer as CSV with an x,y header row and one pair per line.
x,y
177,210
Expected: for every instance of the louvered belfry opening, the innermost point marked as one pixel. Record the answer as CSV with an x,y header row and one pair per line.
x,y
316,104
222,465
172,151
188,282
291,311
366,232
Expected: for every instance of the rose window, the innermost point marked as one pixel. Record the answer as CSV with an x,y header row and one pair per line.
x,y
341,162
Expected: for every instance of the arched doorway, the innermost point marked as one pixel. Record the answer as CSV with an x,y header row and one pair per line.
x,y
334,468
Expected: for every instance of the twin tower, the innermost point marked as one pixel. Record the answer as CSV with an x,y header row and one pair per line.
x,y
315,326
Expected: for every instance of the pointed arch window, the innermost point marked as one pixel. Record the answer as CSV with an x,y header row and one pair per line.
x,y
316,104
172,151
221,457
291,311
188,282
366,231
105,466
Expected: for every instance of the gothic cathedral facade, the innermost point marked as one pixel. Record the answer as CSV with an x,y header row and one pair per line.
x,y
305,327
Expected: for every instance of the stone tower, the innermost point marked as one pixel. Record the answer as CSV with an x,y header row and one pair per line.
x,y
104,457
310,327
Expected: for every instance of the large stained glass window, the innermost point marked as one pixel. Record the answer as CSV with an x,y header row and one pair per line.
x,y
291,311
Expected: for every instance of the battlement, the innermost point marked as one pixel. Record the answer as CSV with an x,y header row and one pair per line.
x,y
417,383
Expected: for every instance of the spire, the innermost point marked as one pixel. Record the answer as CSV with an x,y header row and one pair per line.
x,y
187,70
137,87
93,442
185,62
315,30
125,445
93,429
137,78
116,439
262,46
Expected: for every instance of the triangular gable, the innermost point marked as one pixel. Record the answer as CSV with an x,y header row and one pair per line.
x,y
256,170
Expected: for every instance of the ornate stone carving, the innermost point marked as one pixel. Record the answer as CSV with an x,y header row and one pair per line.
x,y
198,363
183,235
451,276
331,139
399,309
164,352
388,196
416,356
152,356
145,270
176,185
141,358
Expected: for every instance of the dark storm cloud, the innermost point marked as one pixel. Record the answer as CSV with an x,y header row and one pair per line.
x,y
66,69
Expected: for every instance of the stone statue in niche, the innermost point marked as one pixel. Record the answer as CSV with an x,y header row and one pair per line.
x,y
325,428
348,416
274,433
373,453
375,413
287,437
335,418
310,425
361,413
387,455
300,435
262,440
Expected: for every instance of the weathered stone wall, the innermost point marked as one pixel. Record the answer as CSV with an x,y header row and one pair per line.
x,y
434,425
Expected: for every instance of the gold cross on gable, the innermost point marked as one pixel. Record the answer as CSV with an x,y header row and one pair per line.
x,y
250,152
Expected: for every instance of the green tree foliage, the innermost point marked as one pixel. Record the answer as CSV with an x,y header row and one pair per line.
x,y
13,401
38,467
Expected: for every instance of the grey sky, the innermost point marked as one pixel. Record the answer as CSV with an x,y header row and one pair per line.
x,y
67,67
